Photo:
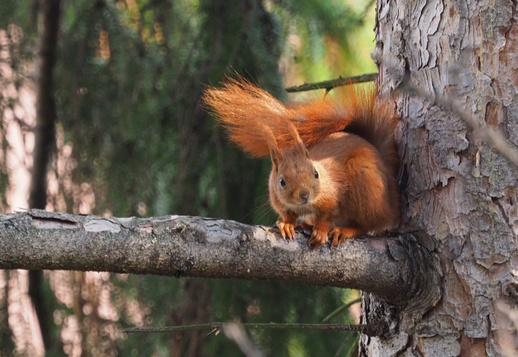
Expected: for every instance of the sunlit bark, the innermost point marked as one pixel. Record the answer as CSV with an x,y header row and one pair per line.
x,y
454,60
397,269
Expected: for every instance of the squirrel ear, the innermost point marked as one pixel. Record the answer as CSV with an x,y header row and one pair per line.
x,y
275,153
301,148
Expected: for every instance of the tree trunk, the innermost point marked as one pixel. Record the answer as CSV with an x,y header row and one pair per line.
x,y
44,143
459,192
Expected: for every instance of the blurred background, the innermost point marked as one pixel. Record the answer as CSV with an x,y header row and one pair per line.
x,y
126,136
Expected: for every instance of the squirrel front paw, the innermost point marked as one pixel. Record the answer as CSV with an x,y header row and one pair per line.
x,y
287,229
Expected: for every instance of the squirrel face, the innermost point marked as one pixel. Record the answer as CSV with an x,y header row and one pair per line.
x,y
294,179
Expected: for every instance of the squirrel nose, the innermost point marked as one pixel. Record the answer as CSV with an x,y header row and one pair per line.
x,y
304,195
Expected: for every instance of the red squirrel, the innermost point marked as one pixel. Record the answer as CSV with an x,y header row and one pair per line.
x,y
334,159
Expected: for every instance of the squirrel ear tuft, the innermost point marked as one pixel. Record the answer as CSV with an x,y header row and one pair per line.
x,y
301,148
275,153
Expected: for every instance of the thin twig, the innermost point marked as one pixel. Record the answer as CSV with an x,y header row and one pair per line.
x,y
217,326
328,85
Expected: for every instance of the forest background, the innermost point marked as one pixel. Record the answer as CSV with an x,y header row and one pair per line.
x,y
131,139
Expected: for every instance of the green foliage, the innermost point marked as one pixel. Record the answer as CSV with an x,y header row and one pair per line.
x,y
324,37
129,77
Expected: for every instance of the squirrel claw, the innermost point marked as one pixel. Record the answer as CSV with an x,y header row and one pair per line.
x,y
318,238
287,230
340,234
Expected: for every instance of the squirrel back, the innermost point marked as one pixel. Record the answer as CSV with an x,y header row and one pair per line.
x,y
334,158
354,110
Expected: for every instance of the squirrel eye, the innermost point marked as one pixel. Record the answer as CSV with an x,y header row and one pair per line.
x,y
282,182
316,174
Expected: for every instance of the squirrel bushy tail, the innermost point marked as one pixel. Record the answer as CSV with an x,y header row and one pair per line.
x,y
355,110
333,158
245,110
251,115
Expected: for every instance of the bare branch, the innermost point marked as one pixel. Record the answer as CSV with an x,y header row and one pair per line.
x,y
397,269
251,325
328,85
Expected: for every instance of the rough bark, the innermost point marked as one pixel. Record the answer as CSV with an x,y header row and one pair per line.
x,y
397,269
460,193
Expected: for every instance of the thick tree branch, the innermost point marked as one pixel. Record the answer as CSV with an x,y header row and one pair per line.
x,y
397,269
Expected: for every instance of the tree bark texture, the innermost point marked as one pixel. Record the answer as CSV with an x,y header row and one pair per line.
x,y
399,270
459,193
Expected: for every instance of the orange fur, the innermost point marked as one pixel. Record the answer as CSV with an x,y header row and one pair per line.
x,y
334,158
245,110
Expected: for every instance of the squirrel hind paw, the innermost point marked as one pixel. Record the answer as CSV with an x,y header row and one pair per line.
x,y
340,234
